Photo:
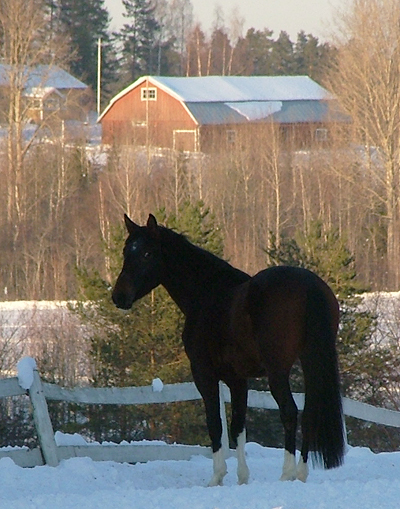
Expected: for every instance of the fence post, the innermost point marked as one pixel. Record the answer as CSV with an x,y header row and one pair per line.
x,y
42,421
222,410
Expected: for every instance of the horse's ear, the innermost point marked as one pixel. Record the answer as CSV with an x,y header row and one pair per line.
x,y
130,225
152,225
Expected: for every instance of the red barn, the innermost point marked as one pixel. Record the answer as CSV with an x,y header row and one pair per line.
x,y
206,113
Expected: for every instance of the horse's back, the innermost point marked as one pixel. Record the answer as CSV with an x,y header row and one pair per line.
x,y
288,289
288,276
273,312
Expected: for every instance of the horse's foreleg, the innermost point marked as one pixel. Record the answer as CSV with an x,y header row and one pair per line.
x,y
219,469
209,391
243,471
238,390
214,425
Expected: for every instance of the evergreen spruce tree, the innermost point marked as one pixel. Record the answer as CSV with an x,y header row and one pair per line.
x,y
85,22
132,348
199,224
265,56
282,55
258,45
312,58
139,38
365,366
326,254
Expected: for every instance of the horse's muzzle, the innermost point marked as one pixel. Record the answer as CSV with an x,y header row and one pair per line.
x,y
123,294
122,298
122,301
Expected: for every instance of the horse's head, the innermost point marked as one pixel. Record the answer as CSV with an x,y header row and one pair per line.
x,y
142,267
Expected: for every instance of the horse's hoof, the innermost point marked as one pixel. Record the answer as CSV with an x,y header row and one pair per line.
x,y
243,480
220,470
216,481
289,467
243,473
288,477
302,471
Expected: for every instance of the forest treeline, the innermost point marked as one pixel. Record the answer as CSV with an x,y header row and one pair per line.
x,y
161,38
59,204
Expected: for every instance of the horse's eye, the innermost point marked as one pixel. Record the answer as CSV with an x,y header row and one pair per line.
x,y
147,254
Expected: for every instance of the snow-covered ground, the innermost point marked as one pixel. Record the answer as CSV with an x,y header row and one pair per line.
x,y
366,481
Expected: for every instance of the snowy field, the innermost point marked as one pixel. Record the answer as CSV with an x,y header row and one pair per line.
x,y
366,481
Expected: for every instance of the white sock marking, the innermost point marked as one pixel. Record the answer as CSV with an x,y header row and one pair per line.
x,y
219,467
242,468
302,470
289,467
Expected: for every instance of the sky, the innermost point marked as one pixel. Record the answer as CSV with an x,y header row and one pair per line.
x,y
312,16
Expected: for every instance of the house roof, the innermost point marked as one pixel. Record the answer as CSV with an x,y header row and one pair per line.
x,y
43,76
41,92
241,99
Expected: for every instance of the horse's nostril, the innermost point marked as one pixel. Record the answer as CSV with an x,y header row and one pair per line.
x,y
121,300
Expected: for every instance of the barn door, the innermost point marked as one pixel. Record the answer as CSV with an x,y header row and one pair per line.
x,y
185,140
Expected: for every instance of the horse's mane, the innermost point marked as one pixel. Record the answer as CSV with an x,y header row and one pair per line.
x,y
187,254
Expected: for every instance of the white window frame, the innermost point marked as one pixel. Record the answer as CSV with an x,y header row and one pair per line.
x,y
231,136
321,134
148,94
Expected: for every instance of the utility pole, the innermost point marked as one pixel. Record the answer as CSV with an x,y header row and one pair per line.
x,y
98,75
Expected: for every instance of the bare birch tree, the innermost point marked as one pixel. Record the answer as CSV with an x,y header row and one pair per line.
x,y
366,80
25,44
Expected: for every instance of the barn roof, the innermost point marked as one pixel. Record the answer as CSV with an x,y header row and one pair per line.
x,y
244,88
240,99
282,112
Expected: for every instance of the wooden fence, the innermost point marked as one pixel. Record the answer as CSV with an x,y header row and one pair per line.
x,y
49,453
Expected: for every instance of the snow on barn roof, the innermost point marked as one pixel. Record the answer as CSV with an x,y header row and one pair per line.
x,y
244,88
43,76
240,99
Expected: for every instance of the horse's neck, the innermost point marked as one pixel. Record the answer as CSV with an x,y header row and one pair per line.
x,y
193,275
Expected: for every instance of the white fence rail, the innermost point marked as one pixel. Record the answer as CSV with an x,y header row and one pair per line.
x,y
50,453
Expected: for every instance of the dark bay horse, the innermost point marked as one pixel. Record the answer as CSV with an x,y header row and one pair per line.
x,y
239,327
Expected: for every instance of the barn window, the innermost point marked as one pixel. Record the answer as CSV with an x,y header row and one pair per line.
x,y
321,134
148,94
231,136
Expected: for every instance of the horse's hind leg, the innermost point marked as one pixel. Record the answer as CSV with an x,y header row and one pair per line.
x,y
238,388
302,467
280,389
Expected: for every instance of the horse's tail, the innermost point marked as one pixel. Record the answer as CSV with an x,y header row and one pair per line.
x,y
322,421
